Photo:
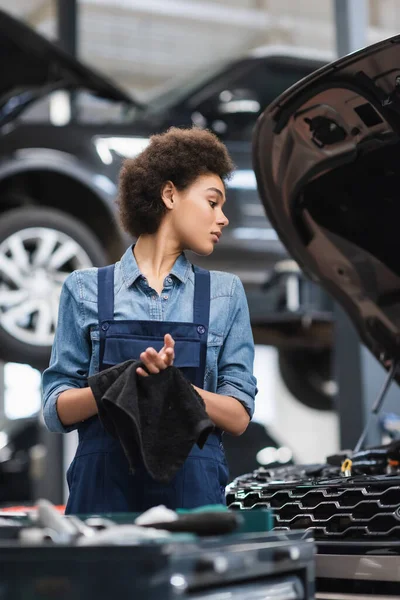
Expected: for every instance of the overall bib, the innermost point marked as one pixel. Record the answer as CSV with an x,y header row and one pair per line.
x,y
99,477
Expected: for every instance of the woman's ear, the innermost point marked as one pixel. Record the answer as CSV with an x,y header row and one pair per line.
x,y
167,194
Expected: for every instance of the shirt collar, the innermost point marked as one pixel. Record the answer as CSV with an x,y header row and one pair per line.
x,y
181,268
131,271
129,267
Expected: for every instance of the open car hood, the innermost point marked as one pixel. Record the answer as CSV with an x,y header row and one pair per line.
x,y
327,160
28,60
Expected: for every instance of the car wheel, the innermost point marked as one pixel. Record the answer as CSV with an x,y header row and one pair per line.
x,y
39,248
308,375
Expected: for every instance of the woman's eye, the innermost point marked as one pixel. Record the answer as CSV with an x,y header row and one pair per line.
x,y
212,204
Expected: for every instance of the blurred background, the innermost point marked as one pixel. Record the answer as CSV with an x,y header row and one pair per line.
x,y
127,69
145,44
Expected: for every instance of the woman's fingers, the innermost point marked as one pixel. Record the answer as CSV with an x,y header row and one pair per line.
x,y
158,361
152,361
141,372
169,357
169,349
167,352
169,341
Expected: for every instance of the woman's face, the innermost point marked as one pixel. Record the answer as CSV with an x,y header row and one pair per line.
x,y
198,218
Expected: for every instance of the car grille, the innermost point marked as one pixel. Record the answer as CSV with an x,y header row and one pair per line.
x,y
353,508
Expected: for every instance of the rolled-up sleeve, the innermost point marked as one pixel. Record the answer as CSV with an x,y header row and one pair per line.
x,y
70,356
235,364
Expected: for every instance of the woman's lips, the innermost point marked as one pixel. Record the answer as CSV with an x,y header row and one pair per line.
x,y
215,237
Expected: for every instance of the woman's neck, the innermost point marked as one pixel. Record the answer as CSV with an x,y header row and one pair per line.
x,y
155,255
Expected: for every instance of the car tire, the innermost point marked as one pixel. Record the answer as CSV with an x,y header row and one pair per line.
x,y
307,374
33,245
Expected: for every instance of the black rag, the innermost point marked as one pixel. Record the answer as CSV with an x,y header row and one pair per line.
x,y
157,419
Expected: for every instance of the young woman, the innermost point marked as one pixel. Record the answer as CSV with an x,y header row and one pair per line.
x,y
171,199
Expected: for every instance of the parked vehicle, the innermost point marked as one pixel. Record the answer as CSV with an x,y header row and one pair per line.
x,y
58,183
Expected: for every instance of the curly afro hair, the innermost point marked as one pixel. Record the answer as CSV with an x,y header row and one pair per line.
x,y
178,155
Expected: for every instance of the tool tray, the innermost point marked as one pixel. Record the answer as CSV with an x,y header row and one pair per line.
x,y
248,564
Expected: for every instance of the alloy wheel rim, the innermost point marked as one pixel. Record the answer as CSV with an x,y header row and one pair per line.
x,y
34,263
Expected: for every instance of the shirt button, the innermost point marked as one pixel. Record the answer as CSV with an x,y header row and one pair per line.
x,y
105,326
201,329
169,280
154,297
165,297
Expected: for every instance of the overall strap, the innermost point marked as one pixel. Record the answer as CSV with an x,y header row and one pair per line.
x,y
105,304
201,317
201,304
105,293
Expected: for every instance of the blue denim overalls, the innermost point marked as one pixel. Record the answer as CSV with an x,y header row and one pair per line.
x,y
99,478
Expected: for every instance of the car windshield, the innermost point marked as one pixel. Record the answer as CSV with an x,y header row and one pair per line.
x,y
182,86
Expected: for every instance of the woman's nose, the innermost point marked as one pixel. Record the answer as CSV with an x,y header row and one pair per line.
x,y
222,220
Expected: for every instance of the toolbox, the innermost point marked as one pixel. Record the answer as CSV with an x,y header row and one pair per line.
x,y
242,565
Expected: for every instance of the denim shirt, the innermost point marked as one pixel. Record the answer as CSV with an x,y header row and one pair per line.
x,y
75,352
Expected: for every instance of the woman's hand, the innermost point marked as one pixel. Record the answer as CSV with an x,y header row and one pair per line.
x,y
158,361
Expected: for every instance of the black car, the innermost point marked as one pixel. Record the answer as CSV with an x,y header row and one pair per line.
x,y
58,181
335,207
